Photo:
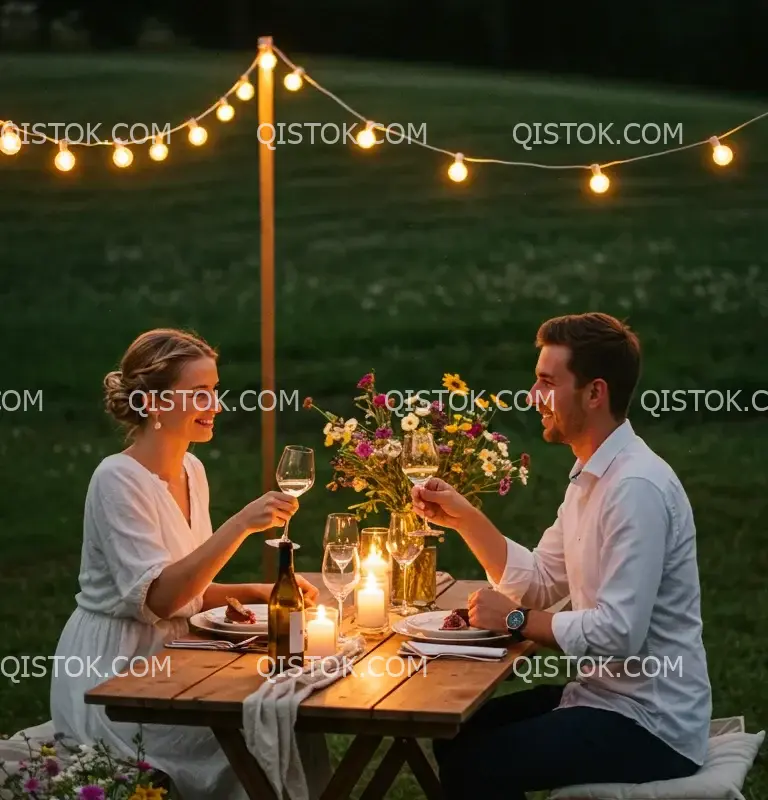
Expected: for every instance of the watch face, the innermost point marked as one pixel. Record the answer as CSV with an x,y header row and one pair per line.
x,y
515,619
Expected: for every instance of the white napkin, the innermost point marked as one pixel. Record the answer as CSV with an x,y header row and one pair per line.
x,y
428,649
269,718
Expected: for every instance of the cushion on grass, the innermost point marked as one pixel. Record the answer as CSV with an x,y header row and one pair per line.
x,y
730,756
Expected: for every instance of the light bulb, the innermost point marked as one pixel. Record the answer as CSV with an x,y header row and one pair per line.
x,y
722,155
267,60
10,141
122,156
197,134
225,111
366,138
293,80
64,159
458,170
598,183
245,90
158,151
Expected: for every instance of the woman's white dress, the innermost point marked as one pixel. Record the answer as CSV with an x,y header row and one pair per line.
x,y
133,529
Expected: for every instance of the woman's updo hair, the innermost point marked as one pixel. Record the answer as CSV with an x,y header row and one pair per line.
x,y
153,363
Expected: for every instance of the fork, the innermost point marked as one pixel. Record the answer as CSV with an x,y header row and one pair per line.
x,y
412,654
214,644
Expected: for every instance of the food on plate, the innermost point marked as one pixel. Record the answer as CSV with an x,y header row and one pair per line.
x,y
457,620
237,612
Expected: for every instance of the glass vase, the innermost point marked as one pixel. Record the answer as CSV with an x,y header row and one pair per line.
x,y
421,591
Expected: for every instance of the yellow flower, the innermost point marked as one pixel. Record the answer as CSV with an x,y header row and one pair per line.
x,y
450,444
456,468
333,486
487,455
454,384
451,428
358,484
347,437
488,467
328,440
47,751
153,793
465,426
499,403
482,403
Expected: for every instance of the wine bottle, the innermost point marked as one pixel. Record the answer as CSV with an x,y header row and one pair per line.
x,y
285,648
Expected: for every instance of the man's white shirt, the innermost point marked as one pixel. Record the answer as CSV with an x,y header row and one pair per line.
x,y
623,547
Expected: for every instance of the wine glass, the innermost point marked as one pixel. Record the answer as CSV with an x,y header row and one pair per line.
x,y
404,545
341,529
338,580
420,460
295,475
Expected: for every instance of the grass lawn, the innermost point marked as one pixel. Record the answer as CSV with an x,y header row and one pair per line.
x,y
382,262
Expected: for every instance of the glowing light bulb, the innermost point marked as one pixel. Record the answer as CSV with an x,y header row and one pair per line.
x,y
245,90
267,60
598,183
64,159
722,155
458,170
293,80
366,138
158,151
10,141
225,111
197,134
122,156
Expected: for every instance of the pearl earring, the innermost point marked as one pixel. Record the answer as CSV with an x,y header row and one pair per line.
x,y
157,425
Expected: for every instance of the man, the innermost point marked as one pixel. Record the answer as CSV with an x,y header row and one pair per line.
x,y
623,547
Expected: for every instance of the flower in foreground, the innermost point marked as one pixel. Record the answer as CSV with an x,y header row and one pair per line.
x,y
32,786
410,422
91,793
454,384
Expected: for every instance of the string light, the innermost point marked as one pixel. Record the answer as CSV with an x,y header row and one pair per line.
x,y
225,111
244,89
366,138
10,141
722,155
198,135
122,156
159,150
267,60
293,80
64,160
458,170
598,183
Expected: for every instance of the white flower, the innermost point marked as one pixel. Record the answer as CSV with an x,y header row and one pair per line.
x,y
422,411
524,475
487,455
328,428
410,422
488,435
392,449
502,449
350,424
488,468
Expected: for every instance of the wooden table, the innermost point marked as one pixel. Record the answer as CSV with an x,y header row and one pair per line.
x,y
208,688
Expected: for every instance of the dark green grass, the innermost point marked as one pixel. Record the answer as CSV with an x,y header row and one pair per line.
x,y
381,262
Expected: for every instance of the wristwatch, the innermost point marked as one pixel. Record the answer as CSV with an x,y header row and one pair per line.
x,y
516,622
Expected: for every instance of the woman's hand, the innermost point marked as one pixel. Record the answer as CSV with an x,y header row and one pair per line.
x,y
440,503
271,510
311,592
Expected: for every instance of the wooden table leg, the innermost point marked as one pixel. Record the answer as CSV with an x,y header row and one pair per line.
x,y
245,766
422,769
386,773
351,767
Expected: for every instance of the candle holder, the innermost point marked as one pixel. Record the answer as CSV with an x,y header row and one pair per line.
x,y
322,631
372,604
374,556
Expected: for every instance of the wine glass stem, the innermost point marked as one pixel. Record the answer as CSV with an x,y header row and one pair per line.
x,y
405,588
285,529
341,613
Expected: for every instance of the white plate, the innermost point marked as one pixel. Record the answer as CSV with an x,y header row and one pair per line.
x,y
200,623
216,617
401,626
429,624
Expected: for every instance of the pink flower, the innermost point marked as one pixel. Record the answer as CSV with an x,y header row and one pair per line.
x,y
31,786
525,460
143,766
444,448
91,793
380,400
365,381
475,430
364,449
383,433
51,767
504,485
437,405
499,437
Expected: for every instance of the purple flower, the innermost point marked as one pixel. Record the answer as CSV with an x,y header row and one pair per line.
x,y
444,448
499,437
31,786
380,400
91,793
365,381
357,435
364,449
143,766
383,433
51,767
437,405
475,430
504,485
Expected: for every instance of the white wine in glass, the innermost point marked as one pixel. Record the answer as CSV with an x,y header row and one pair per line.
x,y
295,475
338,580
420,460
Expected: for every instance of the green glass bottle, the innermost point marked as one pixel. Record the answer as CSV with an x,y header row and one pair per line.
x,y
285,648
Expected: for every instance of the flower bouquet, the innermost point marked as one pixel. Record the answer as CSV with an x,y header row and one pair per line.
x,y
79,772
472,458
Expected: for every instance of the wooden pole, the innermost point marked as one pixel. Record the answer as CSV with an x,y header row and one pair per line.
x,y
266,102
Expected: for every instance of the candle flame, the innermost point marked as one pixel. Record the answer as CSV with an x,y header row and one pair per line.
x,y
371,582
321,612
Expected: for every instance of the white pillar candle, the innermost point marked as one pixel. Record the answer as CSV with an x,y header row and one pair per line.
x,y
321,635
371,605
374,564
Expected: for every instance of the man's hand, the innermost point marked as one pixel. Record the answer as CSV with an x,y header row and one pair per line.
x,y
488,610
440,503
310,591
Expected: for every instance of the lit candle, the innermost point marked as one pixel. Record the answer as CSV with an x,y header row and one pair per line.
x,y
374,564
321,635
371,607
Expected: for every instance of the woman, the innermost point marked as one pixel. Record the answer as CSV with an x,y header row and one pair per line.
x,y
149,558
